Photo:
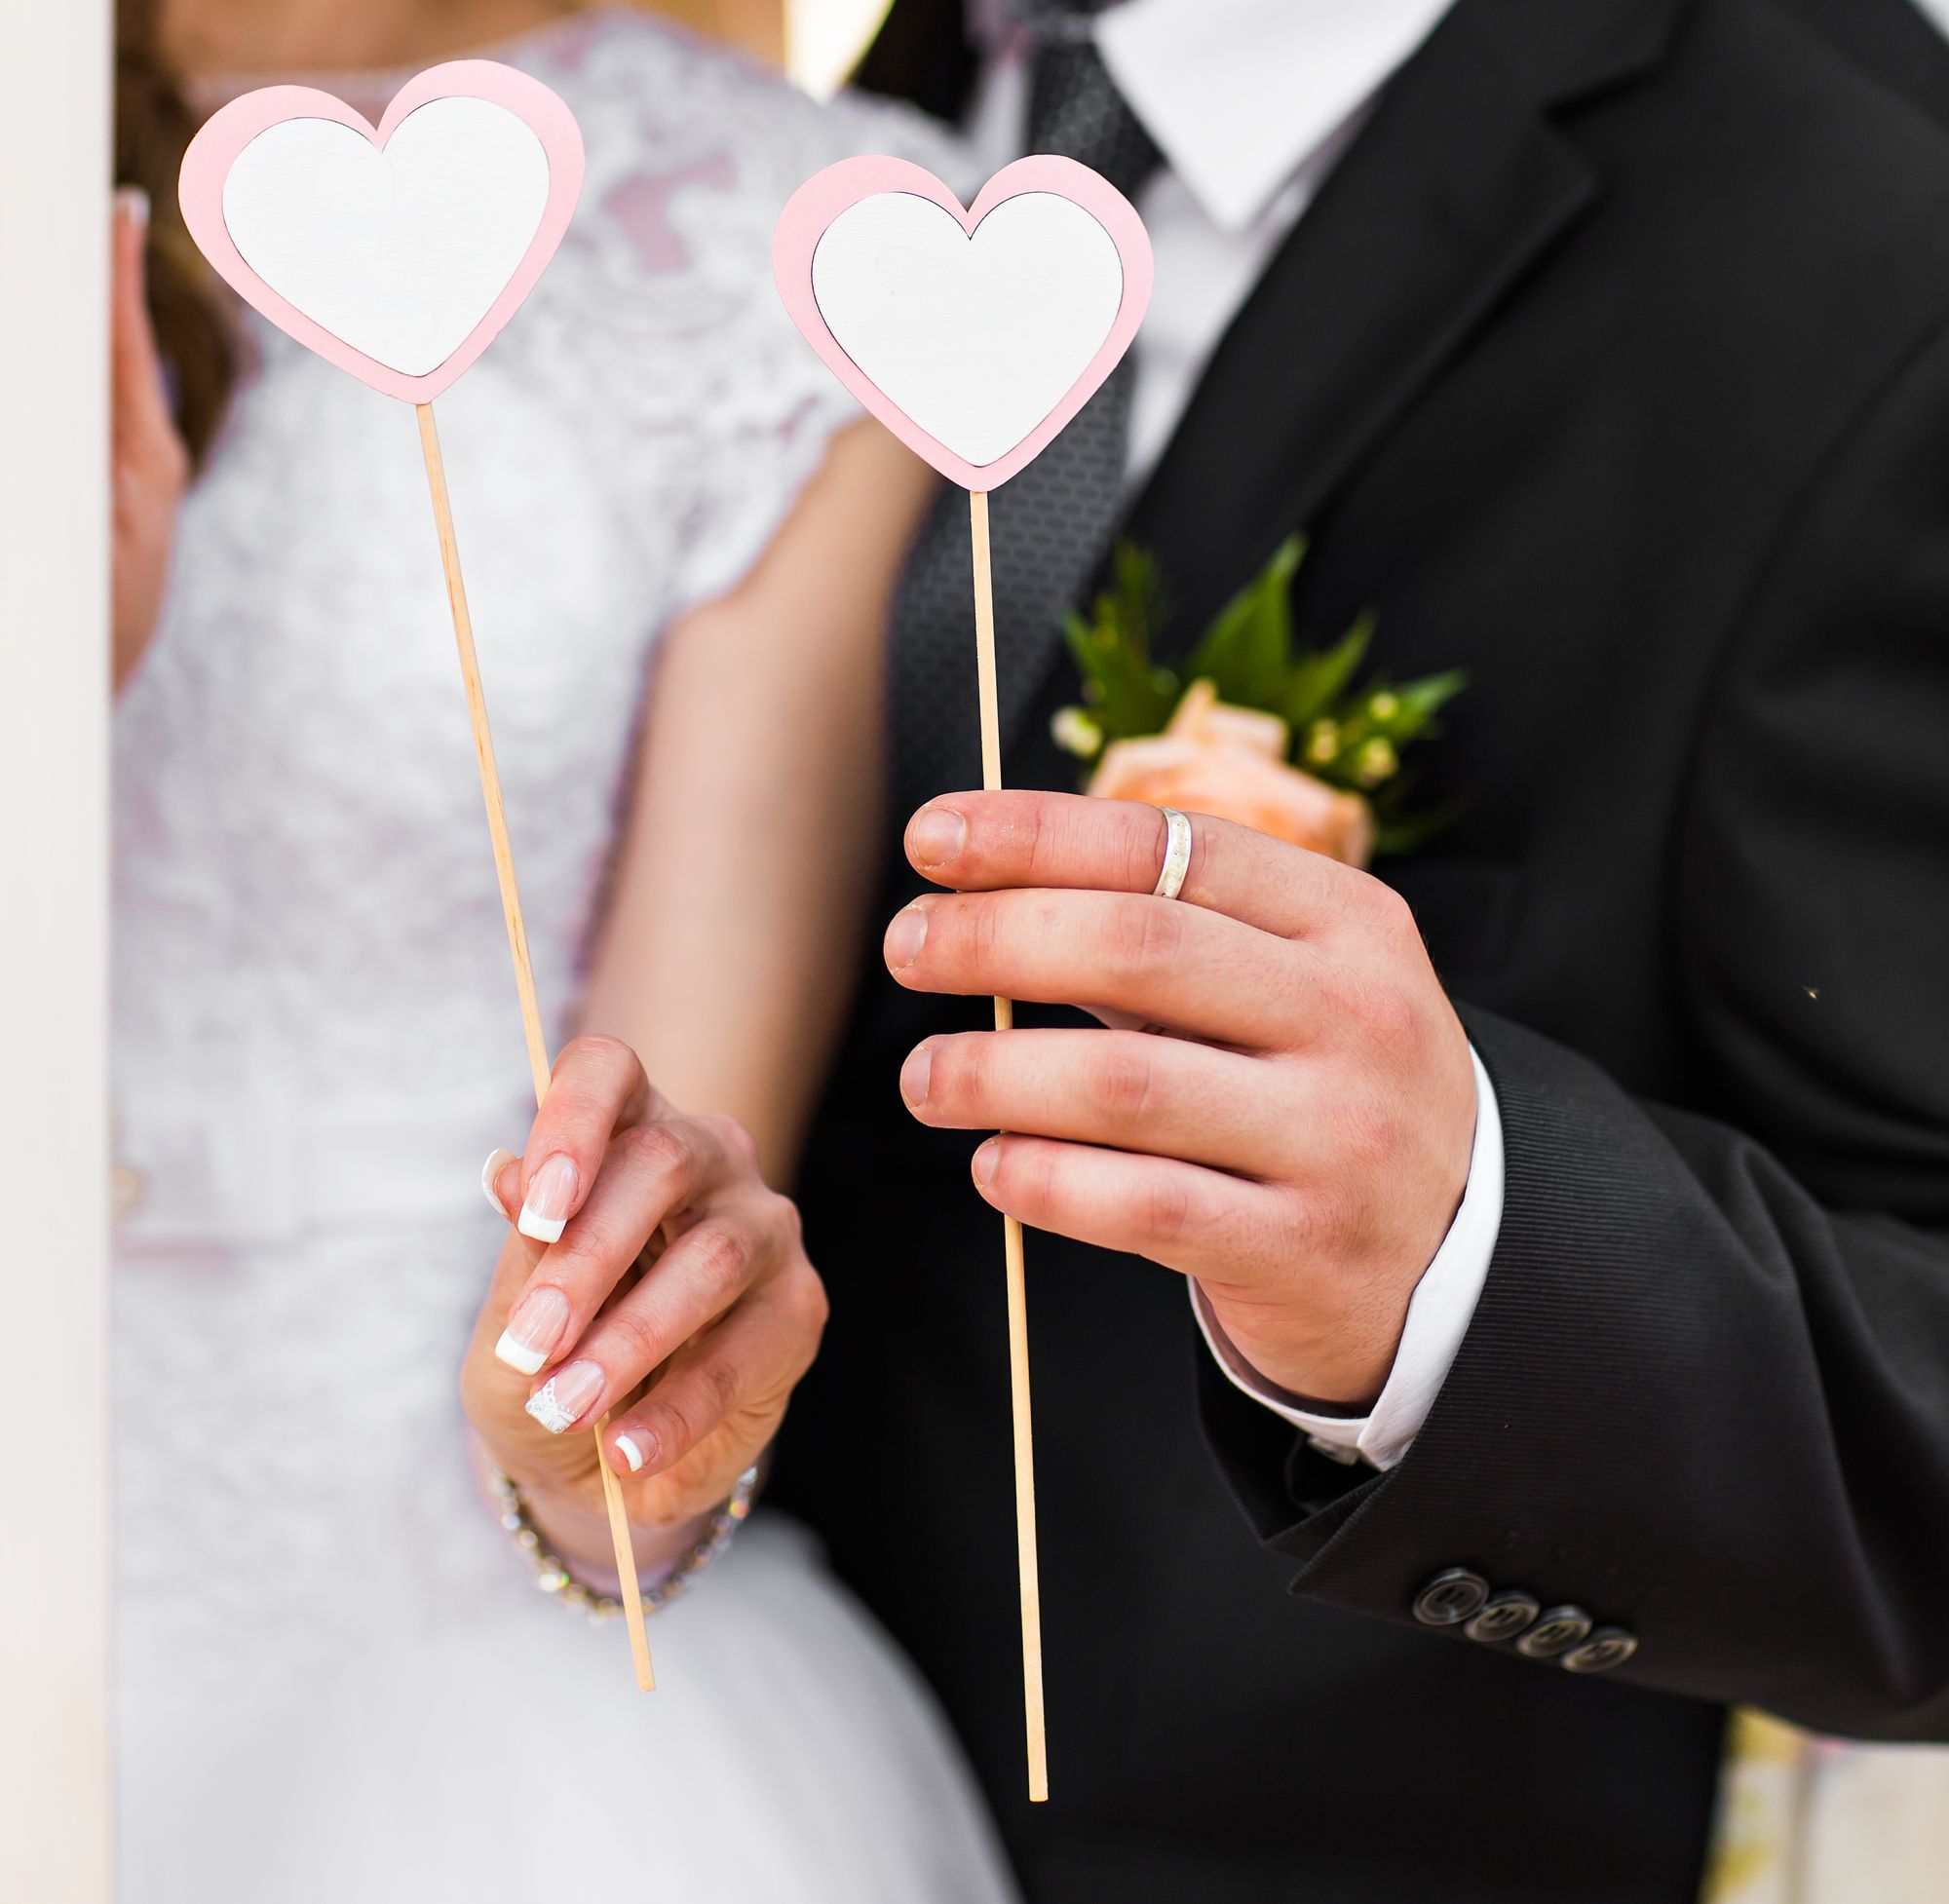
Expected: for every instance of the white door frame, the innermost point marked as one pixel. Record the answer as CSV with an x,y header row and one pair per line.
x,y
54,157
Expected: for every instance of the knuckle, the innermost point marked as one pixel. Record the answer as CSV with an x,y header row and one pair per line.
x,y
675,1420
958,1073
1144,936
808,1307
594,1249
1126,1083
723,1386
637,1345
783,1224
986,928
1390,914
663,1150
719,1261
1036,844
589,1074
1166,1206
737,1142
1026,1174
595,1051
1382,1010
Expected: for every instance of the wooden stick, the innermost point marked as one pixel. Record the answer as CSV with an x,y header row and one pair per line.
x,y
626,1566
1011,1230
524,971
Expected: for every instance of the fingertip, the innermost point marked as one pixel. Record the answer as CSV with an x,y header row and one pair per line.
x,y
552,1198
570,1396
631,1451
129,230
915,1075
936,835
518,1356
984,1162
905,935
490,1181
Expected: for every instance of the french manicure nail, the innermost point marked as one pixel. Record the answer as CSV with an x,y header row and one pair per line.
x,y
497,1161
938,834
914,1075
986,1159
632,1450
534,1327
563,1400
132,203
905,936
551,1193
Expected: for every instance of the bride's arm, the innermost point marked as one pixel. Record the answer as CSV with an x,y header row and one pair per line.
x,y
727,954
725,959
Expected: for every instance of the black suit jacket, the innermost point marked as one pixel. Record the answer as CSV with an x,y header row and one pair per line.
x,y
1611,362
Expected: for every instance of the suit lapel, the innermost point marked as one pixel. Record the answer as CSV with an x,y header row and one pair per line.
x,y
1458,186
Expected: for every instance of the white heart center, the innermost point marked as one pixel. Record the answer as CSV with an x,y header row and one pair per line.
x,y
977,339
397,251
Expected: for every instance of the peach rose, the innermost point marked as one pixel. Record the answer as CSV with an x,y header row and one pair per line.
x,y
1231,761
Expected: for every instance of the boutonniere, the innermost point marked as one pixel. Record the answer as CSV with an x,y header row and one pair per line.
x,y
1249,728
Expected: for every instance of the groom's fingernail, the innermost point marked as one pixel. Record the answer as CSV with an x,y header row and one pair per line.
x,y
986,1159
132,203
914,1075
533,1329
490,1171
938,834
551,1193
563,1400
905,936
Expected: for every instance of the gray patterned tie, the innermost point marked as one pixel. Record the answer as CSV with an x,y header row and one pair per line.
x,y
1051,525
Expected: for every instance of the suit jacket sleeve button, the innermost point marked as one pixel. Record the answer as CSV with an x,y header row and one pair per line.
x,y
1502,1617
1607,1647
1555,1631
1451,1597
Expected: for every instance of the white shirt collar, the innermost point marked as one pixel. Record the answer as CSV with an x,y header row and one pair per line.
x,y
1240,93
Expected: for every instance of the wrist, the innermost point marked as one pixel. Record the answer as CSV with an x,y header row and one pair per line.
x,y
1280,1367
1302,1365
554,1574
575,1523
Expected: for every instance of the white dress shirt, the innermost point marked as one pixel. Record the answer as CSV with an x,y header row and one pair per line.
x,y
1252,102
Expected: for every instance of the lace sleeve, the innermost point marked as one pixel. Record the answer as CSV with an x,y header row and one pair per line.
x,y
778,405
717,412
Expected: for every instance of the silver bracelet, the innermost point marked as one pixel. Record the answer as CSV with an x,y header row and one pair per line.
x,y
551,1573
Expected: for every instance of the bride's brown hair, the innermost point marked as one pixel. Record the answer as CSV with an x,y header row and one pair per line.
x,y
153,125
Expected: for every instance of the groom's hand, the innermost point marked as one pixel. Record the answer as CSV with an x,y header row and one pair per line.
x,y
1300,1140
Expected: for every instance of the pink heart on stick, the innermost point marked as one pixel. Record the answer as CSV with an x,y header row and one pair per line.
x,y
395,252
974,336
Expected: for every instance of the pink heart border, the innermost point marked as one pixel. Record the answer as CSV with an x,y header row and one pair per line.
x,y
826,194
224,136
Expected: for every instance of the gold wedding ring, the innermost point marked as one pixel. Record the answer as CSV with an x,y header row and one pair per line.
x,y
1176,854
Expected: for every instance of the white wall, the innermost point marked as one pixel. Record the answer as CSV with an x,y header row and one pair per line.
x,y
53,1102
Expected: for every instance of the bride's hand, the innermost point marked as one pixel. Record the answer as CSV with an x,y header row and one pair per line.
x,y
150,466
654,1275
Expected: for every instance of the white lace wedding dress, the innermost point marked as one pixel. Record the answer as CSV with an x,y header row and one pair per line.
x,y
338,1681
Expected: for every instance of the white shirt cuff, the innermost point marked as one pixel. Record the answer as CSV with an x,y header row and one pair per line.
x,y
1438,1315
